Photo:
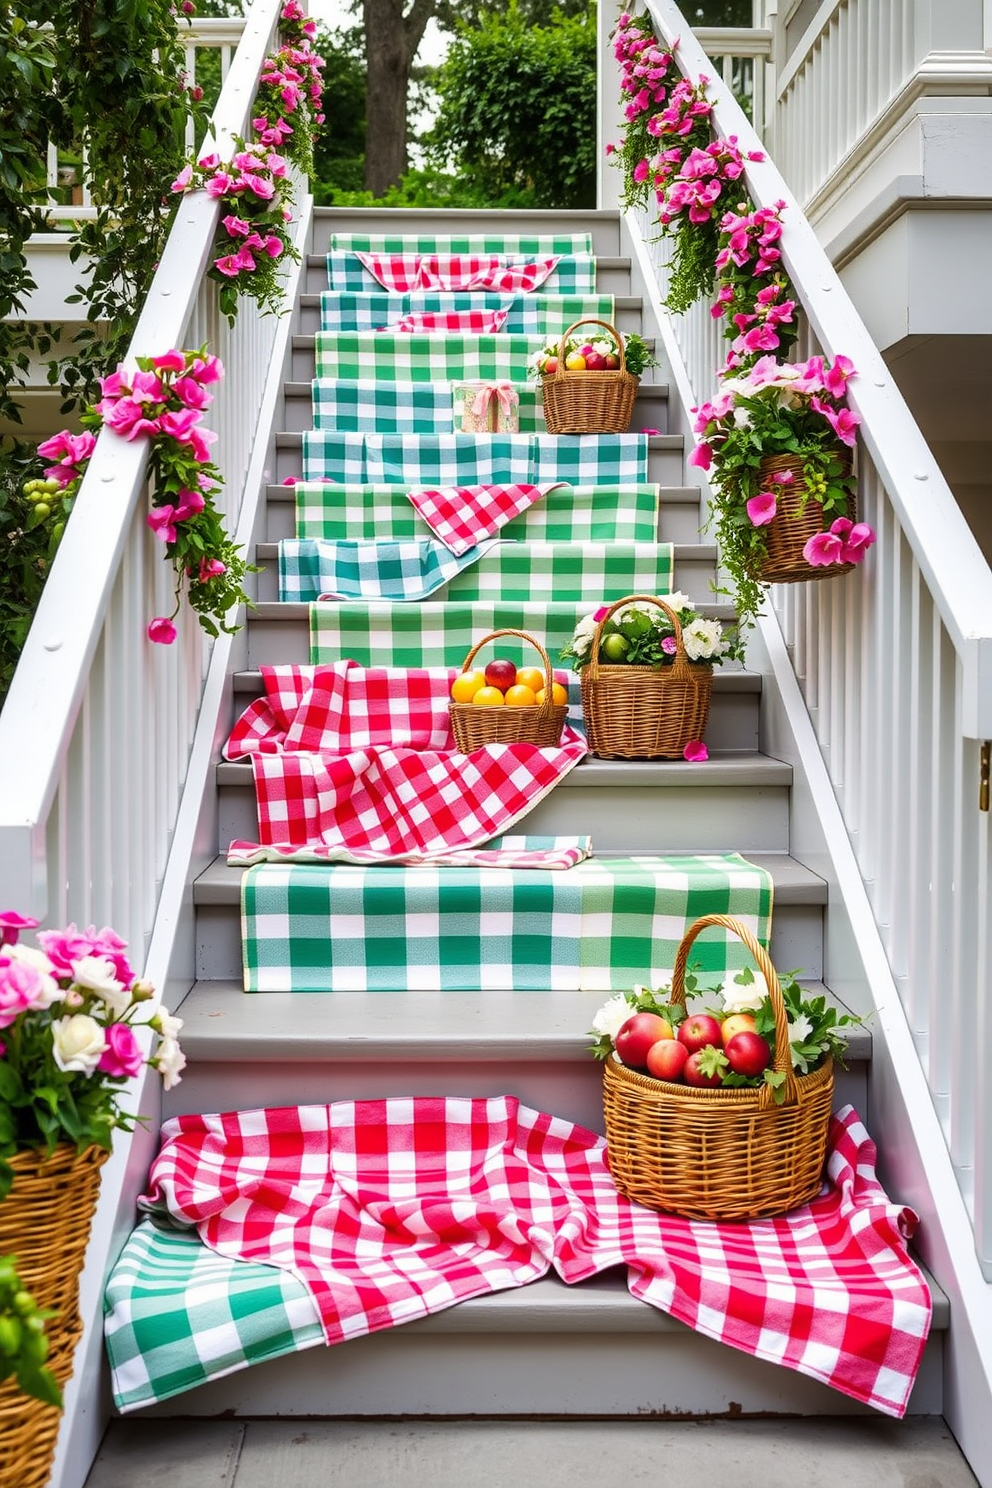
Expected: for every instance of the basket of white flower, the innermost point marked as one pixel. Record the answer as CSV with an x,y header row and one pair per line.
x,y
646,665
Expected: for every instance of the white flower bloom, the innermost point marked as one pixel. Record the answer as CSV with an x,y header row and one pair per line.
x,y
169,1060
676,601
96,974
612,1016
77,1043
703,639
742,419
48,990
581,644
800,1029
741,997
167,1025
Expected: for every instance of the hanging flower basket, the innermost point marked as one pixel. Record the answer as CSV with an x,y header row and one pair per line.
x,y
795,524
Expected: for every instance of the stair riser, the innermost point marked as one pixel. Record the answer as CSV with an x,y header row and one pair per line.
x,y
412,1371
650,409
797,939
414,222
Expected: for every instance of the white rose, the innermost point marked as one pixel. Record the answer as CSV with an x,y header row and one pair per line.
x,y
77,1043
49,990
742,997
612,1016
96,974
164,1022
676,601
703,639
169,1061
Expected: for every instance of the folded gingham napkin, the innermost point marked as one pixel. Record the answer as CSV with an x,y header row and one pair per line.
x,y
349,568
362,761
502,852
475,322
462,516
388,1210
403,272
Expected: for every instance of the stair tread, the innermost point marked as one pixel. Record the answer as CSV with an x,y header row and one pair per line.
x,y
721,770
727,678
288,440
277,609
312,300
794,882
668,495
658,390
687,552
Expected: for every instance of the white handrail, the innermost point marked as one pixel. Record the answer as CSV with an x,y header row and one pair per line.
x,y
95,731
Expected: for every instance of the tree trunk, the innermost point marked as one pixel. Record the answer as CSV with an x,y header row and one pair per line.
x,y
391,42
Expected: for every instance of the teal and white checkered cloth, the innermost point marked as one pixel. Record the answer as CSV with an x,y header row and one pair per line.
x,y
419,356
573,274
590,573
525,245
603,926
406,407
537,314
178,1314
565,514
415,460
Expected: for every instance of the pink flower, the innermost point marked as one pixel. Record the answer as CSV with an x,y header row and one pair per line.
x,y
207,369
12,923
857,541
823,549
162,631
695,751
598,614
147,387
669,645
170,361
273,246
178,425
220,184
183,179
116,385
843,421
228,265
162,520
258,185
191,393
69,450
191,503
22,988
276,165
127,419
292,480
641,170
209,162
211,568
835,378
199,442
701,457
122,1058
236,227
761,508
611,149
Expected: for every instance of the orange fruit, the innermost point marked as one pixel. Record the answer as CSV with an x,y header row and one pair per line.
x,y
520,697
489,697
531,677
464,688
559,695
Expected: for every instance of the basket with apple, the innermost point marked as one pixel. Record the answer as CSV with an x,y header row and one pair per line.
x,y
715,1119
507,704
588,391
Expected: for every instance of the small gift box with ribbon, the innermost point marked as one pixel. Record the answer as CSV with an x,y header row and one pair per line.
x,y
486,407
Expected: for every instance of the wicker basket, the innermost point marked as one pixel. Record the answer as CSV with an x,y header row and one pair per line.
x,y
791,529
643,712
710,1153
45,1223
473,726
589,402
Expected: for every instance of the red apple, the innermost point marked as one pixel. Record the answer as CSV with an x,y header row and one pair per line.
x,y
595,362
704,1067
699,1030
737,1023
748,1053
636,1036
550,367
611,362
501,673
666,1059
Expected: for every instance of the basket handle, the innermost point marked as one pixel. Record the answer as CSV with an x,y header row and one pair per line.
x,y
681,660
590,320
544,708
782,1063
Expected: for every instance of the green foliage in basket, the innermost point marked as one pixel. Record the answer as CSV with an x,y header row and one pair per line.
x,y
23,1345
642,635
638,355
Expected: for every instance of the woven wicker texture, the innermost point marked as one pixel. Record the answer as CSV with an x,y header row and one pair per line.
x,y
791,529
589,402
643,712
714,1153
474,726
45,1222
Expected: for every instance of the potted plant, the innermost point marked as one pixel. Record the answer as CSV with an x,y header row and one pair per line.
x,y
778,444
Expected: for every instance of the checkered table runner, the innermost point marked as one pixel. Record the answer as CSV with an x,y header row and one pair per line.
x,y
400,273
591,573
537,314
474,459
530,852
574,273
405,407
418,356
603,926
527,244
564,514
428,1201
449,322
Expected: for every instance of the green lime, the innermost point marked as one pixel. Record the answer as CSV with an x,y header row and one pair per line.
x,y
615,647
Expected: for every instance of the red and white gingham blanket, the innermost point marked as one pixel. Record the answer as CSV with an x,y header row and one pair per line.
x,y
474,322
391,1209
361,759
463,516
403,272
508,852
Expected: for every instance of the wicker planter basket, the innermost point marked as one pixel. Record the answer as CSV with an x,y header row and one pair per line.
x,y
643,712
714,1153
45,1223
791,529
589,402
473,726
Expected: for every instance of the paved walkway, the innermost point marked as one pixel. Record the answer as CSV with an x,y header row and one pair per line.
x,y
869,1452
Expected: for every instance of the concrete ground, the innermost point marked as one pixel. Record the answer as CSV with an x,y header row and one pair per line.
x,y
866,1452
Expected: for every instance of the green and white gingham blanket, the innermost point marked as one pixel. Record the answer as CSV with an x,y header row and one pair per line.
x,y
591,573
420,356
178,1314
603,926
406,407
566,514
537,314
415,460
520,245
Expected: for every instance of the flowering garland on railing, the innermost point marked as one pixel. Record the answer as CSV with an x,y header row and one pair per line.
x,y
253,239
758,320
163,400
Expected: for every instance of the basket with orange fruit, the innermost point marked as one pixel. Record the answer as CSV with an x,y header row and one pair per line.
x,y
589,386
507,704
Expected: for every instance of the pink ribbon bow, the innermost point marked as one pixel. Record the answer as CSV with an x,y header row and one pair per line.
x,y
505,394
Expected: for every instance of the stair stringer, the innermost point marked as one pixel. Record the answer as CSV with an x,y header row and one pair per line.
x,y
914,1161
171,960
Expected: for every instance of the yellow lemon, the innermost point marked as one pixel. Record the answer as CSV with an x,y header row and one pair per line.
x,y
575,362
464,688
520,697
489,697
559,695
